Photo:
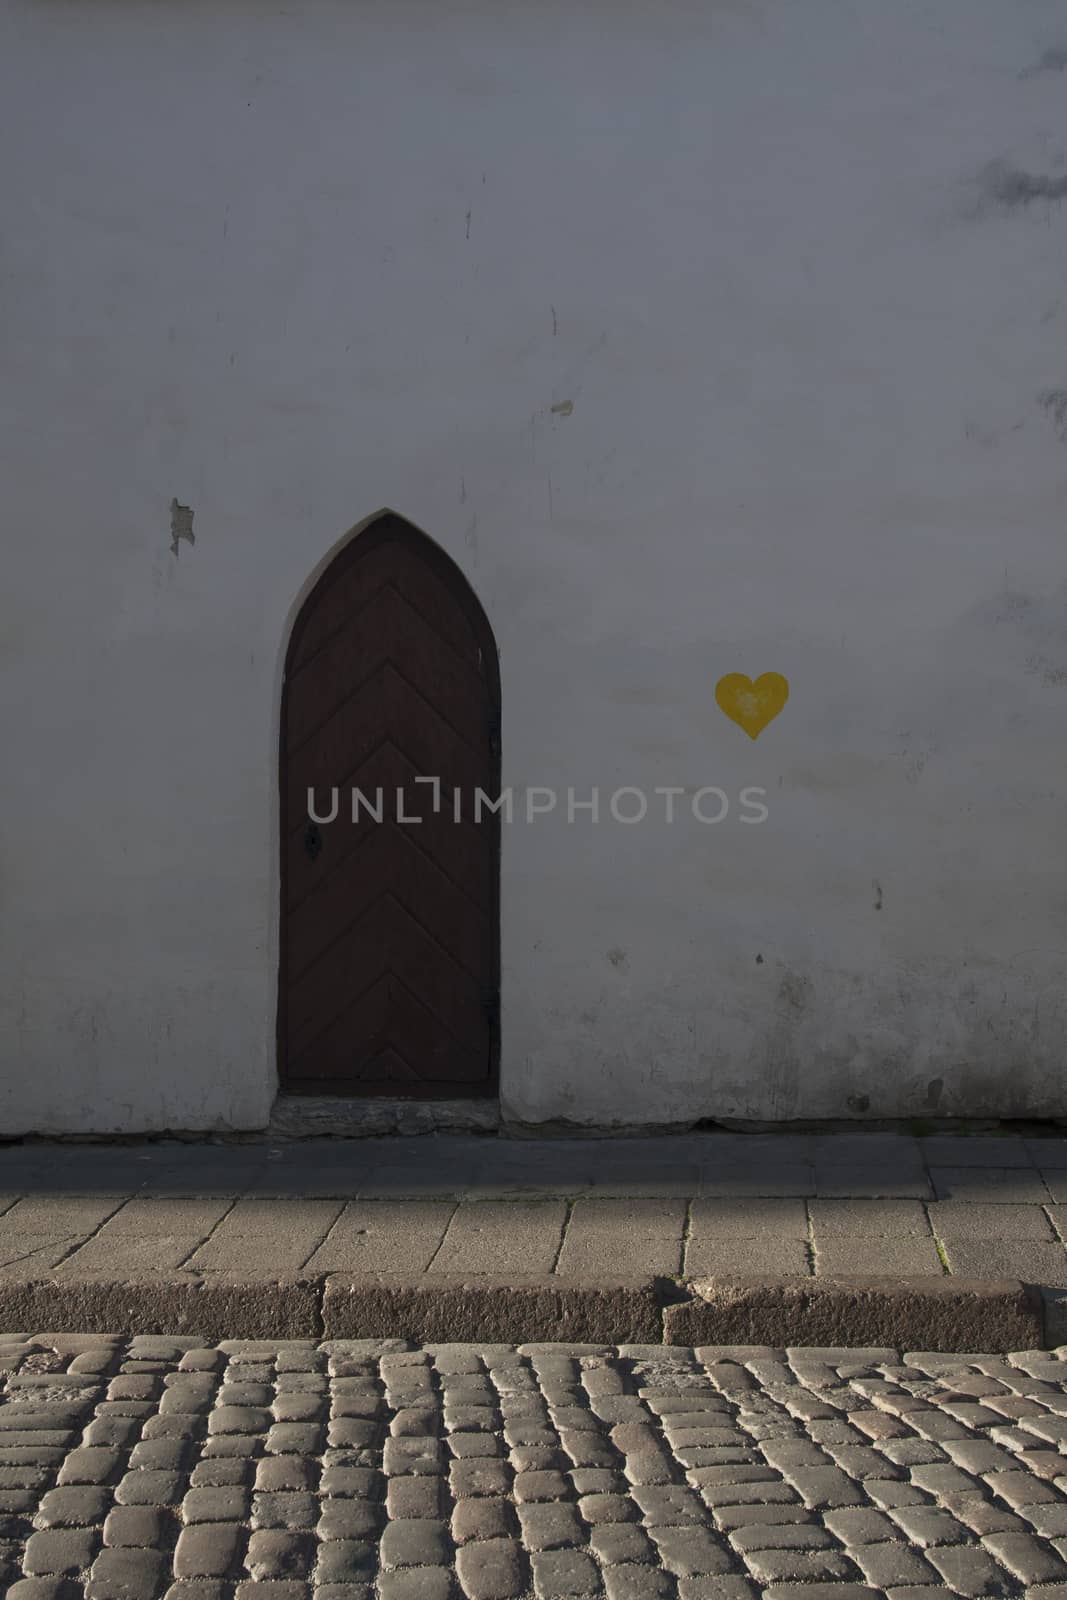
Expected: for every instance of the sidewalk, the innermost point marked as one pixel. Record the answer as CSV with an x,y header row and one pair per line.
x,y
941,1242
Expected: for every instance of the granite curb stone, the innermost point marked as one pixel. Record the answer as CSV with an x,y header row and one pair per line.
x,y
933,1313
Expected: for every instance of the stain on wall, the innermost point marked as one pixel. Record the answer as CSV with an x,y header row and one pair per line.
x,y
1054,402
1010,188
1052,60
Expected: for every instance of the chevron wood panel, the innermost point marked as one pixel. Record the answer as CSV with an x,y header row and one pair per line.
x,y
457,849
384,554
388,938
388,1016
390,957
389,860
384,706
350,656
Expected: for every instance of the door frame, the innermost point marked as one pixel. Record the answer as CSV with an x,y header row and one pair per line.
x,y
380,525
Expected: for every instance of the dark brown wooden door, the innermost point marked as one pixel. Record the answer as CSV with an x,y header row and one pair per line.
x,y
389,958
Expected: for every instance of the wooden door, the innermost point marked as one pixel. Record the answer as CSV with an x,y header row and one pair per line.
x,y
389,953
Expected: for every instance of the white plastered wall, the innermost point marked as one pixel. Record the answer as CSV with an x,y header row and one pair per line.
x,y
706,338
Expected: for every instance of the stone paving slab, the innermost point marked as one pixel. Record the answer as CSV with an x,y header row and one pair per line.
x,y
770,1254
1001,1185
910,1257
154,1234
860,1218
635,1235
175,1468
1035,1261
731,1218
383,1236
502,1236
281,1237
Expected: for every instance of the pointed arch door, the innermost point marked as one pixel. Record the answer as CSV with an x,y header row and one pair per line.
x,y
389,975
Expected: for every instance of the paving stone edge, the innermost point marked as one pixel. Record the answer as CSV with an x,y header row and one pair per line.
x,y
948,1314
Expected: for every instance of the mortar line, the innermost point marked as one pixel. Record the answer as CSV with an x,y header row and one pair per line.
x,y
568,1213
445,1490
939,1246
809,1242
187,1257
444,1235
340,1204
1046,1208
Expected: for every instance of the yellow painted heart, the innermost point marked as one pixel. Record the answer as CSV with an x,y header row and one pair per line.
x,y
752,705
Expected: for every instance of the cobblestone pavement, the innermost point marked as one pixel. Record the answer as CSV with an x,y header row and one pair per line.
x,y
134,1469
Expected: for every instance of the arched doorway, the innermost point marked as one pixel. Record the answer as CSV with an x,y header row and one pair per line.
x,y
389,976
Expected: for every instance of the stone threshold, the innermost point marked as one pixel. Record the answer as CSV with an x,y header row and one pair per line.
x,y
952,1315
338,1117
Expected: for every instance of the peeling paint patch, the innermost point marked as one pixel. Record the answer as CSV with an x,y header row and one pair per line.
x,y
562,408
1012,605
1052,676
181,525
